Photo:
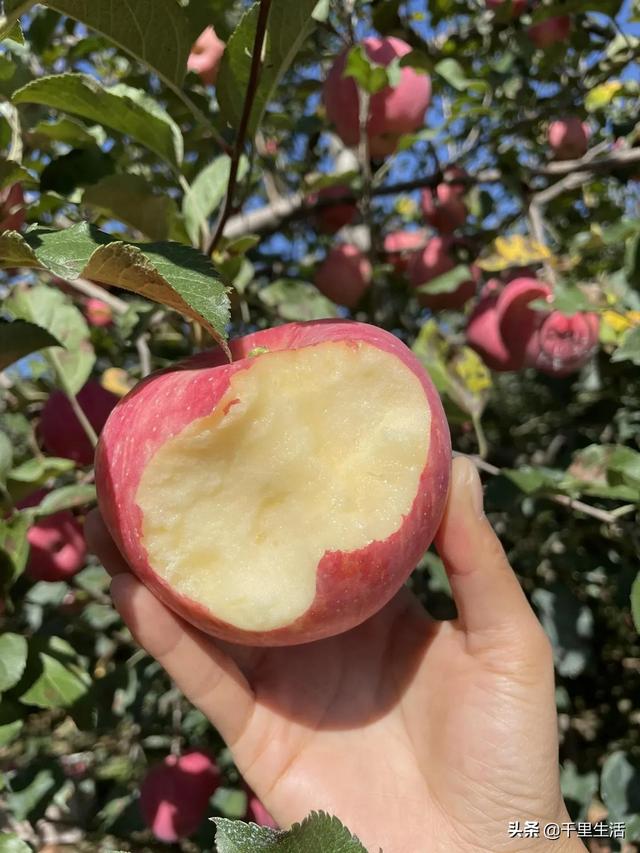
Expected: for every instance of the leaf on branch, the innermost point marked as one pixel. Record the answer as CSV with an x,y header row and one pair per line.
x,y
297,300
131,199
174,275
629,349
50,309
369,75
572,7
20,338
10,843
13,660
13,173
318,833
14,549
457,372
288,26
129,111
207,191
514,251
67,497
454,74
70,132
448,282
156,32
78,168
53,677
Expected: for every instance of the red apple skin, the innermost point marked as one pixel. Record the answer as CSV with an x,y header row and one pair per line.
x,y
12,209
345,275
517,322
483,332
174,795
61,432
57,548
400,246
569,138
436,260
98,313
551,31
393,111
366,578
563,344
206,55
332,218
517,6
443,206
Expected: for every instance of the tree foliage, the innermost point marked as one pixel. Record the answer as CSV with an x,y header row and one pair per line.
x,y
188,213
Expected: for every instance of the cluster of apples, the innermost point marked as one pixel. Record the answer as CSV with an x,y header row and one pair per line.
x,y
57,549
554,30
175,794
346,273
510,334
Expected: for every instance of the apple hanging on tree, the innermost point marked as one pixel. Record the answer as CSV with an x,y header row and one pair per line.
x,y
345,275
206,55
285,496
393,111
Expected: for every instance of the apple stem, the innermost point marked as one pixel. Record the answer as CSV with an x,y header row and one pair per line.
x,y
77,409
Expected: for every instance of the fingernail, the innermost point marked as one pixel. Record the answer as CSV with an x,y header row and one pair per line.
x,y
476,492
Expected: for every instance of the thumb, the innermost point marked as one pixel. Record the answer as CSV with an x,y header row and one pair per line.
x,y
486,591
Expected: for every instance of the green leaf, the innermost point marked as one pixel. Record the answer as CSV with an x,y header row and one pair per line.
x,y
635,602
132,200
206,193
37,471
11,723
448,282
13,659
578,789
129,111
20,338
79,168
14,550
569,625
170,273
531,480
288,26
297,300
318,833
13,173
572,7
70,132
454,74
10,843
52,682
50,309
24,801
629,349
6,452
156,32
67,497
620,786
369,76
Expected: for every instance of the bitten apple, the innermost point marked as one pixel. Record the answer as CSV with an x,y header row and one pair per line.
x,y
433,261
285,496
569,138
393,111
345,275
60,430
174,795
206,55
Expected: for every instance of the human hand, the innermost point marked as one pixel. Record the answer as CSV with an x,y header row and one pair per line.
x,y
420,736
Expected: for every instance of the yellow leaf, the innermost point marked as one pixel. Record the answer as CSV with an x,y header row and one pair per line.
x,y
117,381
602,95
514,251
616,322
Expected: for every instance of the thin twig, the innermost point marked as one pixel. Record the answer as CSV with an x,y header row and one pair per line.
x,y
73,400
144,354
94,291
252,87
563,500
